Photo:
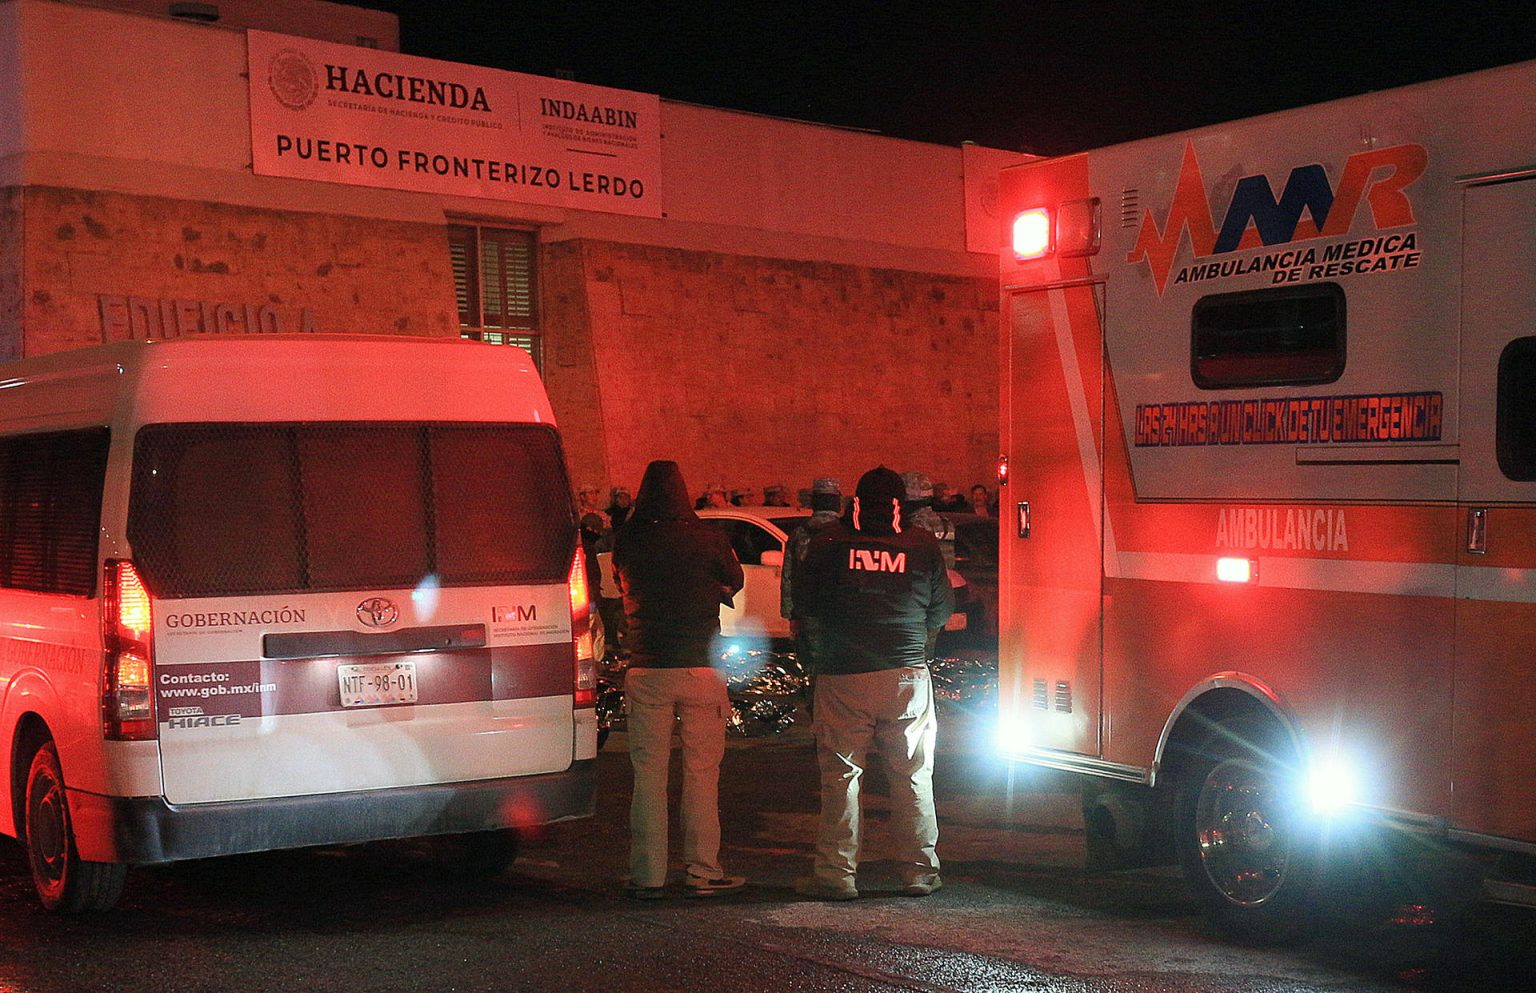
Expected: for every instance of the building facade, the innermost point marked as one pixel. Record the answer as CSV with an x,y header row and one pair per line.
x,y
799,301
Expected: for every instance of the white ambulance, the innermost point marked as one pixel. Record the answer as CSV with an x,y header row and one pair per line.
x,y
1269,531
279,591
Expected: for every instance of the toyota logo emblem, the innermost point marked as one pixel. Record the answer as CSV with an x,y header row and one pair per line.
x,y
378,612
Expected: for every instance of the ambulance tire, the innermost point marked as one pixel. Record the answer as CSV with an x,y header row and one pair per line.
x,y
65,883
479,855
1247,849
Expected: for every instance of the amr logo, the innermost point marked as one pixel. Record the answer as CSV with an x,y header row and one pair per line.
x,y
1256,218
870,560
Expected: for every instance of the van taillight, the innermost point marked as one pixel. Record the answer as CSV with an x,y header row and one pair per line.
x,y
581,634
127,698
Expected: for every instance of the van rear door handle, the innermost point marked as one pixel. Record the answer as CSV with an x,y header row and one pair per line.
x,y
1023,518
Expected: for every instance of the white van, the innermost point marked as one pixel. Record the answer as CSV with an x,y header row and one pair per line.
x,y
280,591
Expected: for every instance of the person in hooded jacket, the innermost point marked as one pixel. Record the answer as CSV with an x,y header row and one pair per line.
x,y
880,593
673,572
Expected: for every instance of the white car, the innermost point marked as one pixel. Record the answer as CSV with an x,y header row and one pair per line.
x,y
758,536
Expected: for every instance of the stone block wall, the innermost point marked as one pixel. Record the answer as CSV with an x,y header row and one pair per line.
x,y
751,371
747,370
105,266
10,273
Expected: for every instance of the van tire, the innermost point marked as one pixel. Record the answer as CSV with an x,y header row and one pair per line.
x,y
65,883
1247,849
481,855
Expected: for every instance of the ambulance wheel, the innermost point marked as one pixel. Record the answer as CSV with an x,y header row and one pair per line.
x,y
1245,844
65,882
480,855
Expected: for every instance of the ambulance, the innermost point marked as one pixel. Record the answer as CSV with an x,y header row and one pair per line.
x,y
278,591
1268,550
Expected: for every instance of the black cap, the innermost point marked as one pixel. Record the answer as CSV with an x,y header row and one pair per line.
x,y
877,500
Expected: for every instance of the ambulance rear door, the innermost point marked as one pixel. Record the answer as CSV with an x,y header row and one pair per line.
x,y
1051,553
1495,700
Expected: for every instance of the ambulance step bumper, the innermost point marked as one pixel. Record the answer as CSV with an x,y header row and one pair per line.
x,y
147,830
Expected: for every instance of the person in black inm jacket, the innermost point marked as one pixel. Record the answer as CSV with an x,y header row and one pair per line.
x,y
880,592
673,571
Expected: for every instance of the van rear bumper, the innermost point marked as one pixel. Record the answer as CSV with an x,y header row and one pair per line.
x,y
146,830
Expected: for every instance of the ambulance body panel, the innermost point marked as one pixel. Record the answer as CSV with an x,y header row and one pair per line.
x,y
1295,349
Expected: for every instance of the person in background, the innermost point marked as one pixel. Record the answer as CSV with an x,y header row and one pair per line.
x,y
744,497
826,504
880,592
775,495
619,505
673,572
917,506
714,496
595,529
981,501
610,606
946,500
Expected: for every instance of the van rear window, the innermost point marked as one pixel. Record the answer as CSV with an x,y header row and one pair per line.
x,y
222,509
50,510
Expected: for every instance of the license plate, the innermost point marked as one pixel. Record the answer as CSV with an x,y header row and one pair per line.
x,y
375,684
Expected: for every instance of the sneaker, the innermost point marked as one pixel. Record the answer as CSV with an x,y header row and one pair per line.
x,y
923,885
644,892
698,886
819,889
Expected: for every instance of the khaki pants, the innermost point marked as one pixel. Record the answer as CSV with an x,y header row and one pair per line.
x,y
697,699
893,710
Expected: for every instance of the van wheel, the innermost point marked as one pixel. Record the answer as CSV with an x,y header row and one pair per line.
x,y
64,882
479,854
1243,840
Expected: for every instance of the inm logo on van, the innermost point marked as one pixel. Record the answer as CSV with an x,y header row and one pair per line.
x,y
515,615
1257,218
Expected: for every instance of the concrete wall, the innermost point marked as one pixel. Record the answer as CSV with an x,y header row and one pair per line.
x,y
805,307
337,22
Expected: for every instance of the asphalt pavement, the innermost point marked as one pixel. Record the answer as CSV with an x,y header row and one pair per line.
x,y
1018,911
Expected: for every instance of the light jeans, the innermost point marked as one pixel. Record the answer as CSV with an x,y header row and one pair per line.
x,y
695,700
892,710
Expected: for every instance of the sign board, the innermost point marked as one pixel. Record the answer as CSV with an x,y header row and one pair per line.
x,y
339,114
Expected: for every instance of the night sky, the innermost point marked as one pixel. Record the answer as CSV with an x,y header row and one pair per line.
x,y
1028,76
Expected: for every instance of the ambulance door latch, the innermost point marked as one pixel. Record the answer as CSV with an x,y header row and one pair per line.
x,y
1477,531
1023,519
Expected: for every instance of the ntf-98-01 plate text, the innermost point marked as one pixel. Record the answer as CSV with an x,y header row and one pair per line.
x,y
375,684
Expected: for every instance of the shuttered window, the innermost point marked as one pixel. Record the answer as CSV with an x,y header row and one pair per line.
x,y
494,282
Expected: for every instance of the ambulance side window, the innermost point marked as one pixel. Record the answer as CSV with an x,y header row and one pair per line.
x,y
1287,335
1516,417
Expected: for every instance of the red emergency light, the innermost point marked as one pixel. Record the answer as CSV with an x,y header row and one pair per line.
x,y
1071,229
1032,233
1234,570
